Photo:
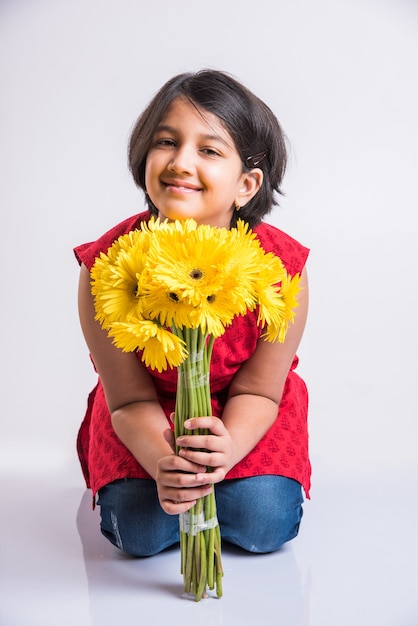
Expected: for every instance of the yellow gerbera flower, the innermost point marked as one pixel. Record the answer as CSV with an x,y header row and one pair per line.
x,y
160,348
160,303
115,278
212,318
278,325
186,262
155,224
289,290
243,268
205,267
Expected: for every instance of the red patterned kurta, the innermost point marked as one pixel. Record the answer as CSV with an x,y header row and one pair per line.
x,y
282,451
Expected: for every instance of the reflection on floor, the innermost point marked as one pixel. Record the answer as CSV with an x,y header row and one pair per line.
x,y
353,564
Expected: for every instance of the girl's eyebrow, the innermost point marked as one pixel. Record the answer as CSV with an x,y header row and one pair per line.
x,y
166,128
206,137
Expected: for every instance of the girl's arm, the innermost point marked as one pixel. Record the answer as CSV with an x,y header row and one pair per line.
x,y
254,397
136,414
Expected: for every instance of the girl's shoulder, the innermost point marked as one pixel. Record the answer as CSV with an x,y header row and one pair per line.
x,y
87,252
292,252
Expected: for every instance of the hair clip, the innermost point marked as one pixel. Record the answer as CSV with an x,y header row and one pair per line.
x,y
255,159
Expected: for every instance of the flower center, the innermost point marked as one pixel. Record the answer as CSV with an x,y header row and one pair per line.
x,y
173,296
196,274
211,299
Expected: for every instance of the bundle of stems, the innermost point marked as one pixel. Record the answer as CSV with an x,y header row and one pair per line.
x,y
200,538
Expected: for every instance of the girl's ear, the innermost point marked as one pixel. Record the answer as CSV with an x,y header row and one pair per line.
x,y
249,184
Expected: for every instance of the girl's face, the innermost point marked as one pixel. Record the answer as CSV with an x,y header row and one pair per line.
x,y
194,170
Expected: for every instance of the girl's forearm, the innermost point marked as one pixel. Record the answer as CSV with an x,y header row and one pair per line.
x,y
143,429
248,417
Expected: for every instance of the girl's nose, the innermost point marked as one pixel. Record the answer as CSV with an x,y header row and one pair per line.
x,y
182,160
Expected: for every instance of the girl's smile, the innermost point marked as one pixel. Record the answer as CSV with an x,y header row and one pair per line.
x,y
194,170
180,186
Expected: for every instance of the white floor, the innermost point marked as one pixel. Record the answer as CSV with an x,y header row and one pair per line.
x,y
353,564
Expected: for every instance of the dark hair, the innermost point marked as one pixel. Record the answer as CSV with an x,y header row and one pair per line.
x,y
250,122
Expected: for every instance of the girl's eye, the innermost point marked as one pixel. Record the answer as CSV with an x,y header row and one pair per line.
x,y
165,142
210,151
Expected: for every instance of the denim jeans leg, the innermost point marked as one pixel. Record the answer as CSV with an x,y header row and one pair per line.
x,y
259,513
132,518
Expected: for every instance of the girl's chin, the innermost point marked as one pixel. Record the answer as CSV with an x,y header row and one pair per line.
x,y
172,215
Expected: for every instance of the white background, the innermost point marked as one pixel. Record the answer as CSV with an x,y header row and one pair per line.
x,y
342,77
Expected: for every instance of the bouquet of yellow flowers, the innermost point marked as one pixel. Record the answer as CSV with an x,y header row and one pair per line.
x,y
168,290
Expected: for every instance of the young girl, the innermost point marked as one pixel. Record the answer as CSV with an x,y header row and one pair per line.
x,y
208,149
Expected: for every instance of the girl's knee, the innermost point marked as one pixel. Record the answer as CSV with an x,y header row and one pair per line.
x,y
139,544
286,527
267,516
133,520
269,534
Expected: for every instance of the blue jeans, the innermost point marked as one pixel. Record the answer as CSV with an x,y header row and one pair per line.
x,y
259,514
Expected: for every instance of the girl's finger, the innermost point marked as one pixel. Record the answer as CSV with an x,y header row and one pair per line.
x,y
214,424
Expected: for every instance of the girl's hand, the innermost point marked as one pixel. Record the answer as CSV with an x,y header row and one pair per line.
x,y
213,450
180,483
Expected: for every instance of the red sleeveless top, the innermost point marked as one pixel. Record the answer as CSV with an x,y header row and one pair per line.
x,y
282,451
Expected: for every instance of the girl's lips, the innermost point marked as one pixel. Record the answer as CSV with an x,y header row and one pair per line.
x,y
181,186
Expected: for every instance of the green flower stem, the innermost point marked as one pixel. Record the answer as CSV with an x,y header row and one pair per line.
x,y
200,548
210,538
189,561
